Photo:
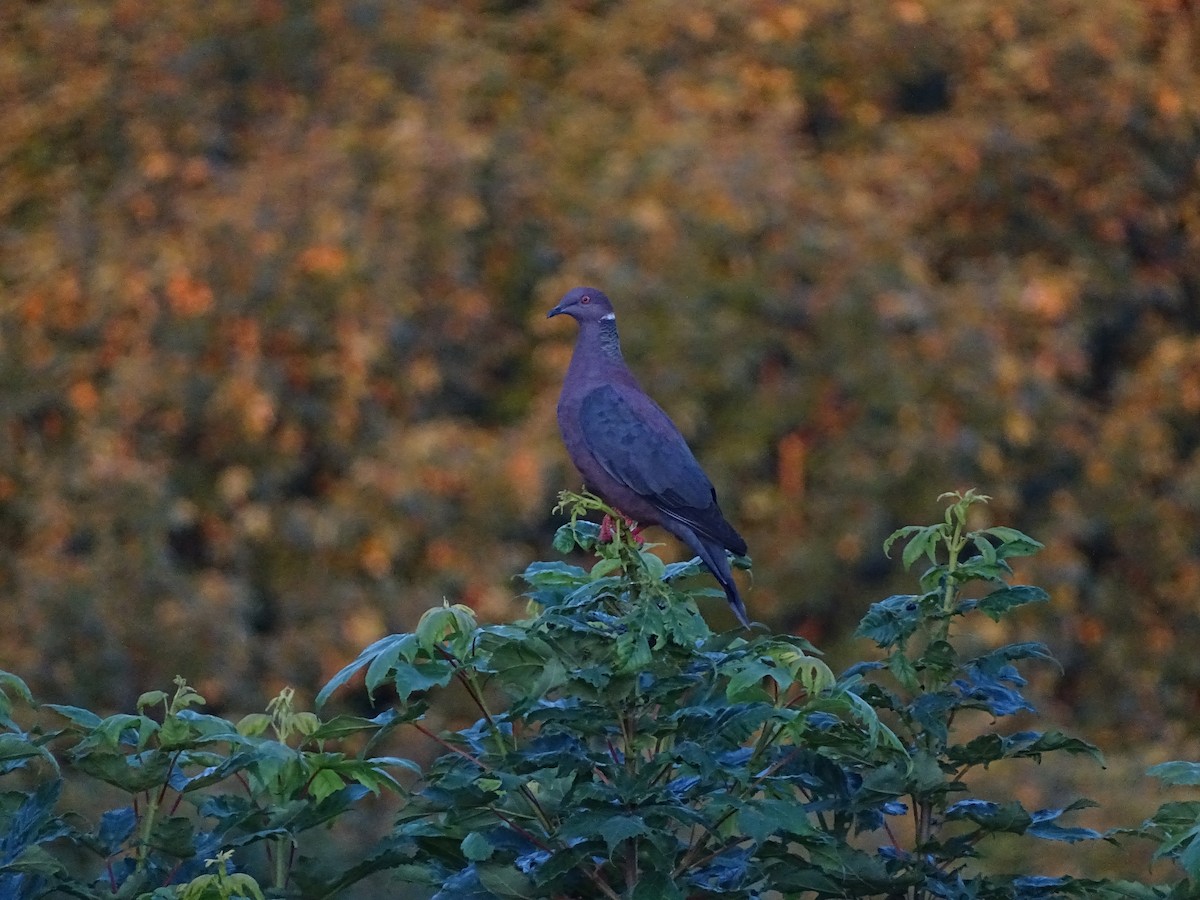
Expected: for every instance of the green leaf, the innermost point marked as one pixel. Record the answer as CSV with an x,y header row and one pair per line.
x,y
656,884
16,747
987,551
151,698
10,683
760,819
939,658
891,621
1189,858
324,783
996,604
903,670
553,573
134,773
412,678
36,860
654,565
1013,542
745,683
476,847
1176,772
393,645
612,828
504,880
924,541
1053,741
78,716
564,538
605,567
1047,828
174,835
897,535
994,817
979,569
254,724
452,624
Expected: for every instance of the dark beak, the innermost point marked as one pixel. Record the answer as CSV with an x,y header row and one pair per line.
x,y
554,312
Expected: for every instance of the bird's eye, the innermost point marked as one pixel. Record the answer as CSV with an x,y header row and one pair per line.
x,y
585,299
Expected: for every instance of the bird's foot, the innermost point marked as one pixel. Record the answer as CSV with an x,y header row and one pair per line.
x,y
608,530
635,531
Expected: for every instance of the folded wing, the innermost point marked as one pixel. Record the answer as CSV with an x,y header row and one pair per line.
x,y
637,444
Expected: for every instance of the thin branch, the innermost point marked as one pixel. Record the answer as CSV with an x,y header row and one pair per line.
x,y
467,756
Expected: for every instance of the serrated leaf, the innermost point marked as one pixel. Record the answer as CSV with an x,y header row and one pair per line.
x,y
324,783
1013,542
903,670
922,543
344,725
999,602
396,645
898,534
612,828
1002,817
745,682
1046,827
760,819
1053,741
891,621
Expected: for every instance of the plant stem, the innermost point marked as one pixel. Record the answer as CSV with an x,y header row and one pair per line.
x,y
281,862
147,829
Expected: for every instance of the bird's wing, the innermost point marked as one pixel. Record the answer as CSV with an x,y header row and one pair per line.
x,y
637,444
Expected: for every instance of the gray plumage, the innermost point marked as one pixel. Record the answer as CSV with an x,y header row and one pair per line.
x,y
628,450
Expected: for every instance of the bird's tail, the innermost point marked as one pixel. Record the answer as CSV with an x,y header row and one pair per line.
x,y
717,561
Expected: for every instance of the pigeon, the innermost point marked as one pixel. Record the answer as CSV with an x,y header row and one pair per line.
x,y
628,450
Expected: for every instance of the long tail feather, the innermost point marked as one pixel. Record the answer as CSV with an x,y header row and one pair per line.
x,y
717,561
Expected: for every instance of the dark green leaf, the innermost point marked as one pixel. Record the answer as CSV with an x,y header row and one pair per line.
x,y
476,847
1004,817
174,836
1045,826
997,603
891,621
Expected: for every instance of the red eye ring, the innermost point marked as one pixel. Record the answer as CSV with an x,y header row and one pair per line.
x,y
585,299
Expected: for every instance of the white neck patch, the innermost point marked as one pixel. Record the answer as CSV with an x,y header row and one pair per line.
x,y
611,317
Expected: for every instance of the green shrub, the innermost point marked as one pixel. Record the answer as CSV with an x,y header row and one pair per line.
x,y
622,750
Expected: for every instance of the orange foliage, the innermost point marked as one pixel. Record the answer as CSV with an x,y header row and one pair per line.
x,y
274,355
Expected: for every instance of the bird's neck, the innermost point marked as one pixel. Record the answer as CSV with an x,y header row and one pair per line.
x,y
598,349
610,343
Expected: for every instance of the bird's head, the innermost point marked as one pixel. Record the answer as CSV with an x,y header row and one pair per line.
x,y
583,304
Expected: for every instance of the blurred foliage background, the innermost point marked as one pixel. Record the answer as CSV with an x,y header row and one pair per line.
x,y
275,376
